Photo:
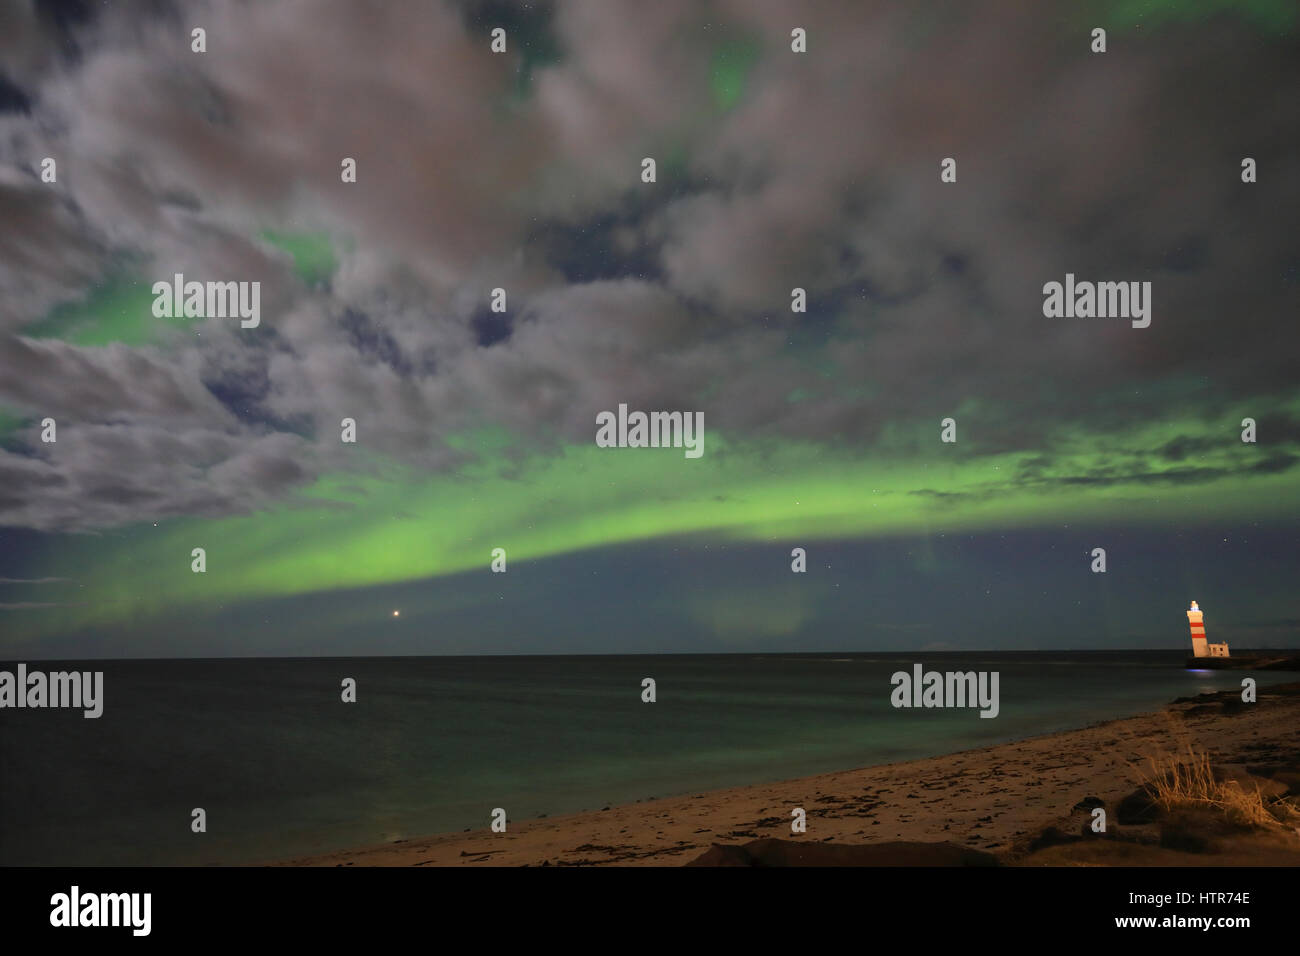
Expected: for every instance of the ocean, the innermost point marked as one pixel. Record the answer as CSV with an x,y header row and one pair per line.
x,y
283,767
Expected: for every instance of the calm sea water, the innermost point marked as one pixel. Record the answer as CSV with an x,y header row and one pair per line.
x,y
283,767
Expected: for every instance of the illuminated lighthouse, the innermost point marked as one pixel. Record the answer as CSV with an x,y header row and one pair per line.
x,y
1199,646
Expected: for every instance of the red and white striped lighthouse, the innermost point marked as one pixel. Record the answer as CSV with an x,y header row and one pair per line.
x,y
1200,648
1194,618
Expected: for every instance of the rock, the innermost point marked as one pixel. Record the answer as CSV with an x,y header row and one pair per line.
x,y
1089,804
1269,789
1052,836
1137,807
1290,778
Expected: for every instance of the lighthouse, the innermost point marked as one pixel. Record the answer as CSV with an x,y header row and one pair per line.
x,y
1195,618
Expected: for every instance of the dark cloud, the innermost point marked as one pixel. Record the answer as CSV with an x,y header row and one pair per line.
x,y
1185,446
99,476
12,97
49,254
59,379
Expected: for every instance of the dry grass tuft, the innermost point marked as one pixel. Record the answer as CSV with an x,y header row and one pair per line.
x,y
1187,781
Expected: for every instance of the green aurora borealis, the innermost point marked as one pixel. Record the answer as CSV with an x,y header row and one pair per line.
x,y
385,523
388,525
1140,434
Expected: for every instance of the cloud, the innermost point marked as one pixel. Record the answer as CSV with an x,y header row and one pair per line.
x,y
521,171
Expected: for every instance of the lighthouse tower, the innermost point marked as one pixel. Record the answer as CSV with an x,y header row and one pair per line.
x,y
1199,646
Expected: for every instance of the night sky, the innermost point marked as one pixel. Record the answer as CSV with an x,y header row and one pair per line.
x,y
476,429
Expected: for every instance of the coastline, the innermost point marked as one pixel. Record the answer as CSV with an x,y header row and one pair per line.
x,y
1000,799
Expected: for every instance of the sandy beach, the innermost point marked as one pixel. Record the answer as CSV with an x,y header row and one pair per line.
x,y
1028,802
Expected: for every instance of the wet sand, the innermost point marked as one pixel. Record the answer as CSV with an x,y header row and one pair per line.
x,y
999,799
